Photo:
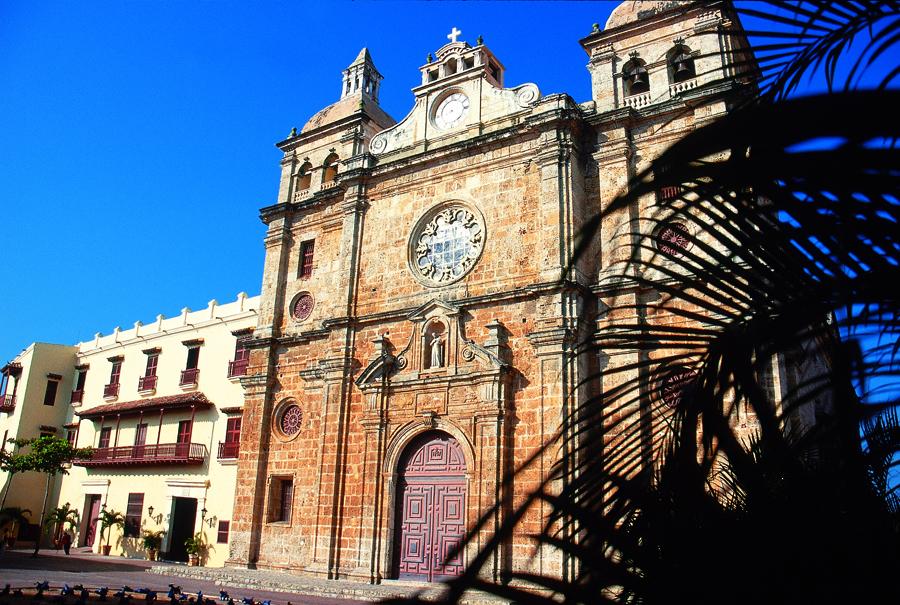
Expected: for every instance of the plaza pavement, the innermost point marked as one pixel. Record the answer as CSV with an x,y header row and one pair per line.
x,y
19,569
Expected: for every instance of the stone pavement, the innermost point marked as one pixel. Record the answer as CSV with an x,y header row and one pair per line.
x,y
18,568
295,583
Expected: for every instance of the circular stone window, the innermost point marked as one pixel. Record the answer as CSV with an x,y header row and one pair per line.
x,y
288,420
673,239
302,307
675,385
446,243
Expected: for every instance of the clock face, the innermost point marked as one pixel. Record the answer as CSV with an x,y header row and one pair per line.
x,y
451,111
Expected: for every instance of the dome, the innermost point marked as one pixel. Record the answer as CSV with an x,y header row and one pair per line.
x,y
635,10
346,107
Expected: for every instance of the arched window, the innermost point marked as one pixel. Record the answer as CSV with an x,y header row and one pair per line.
x,y
635,76
681,64
304,176
330,166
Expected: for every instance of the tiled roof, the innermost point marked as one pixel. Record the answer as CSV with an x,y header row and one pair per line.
x,y
171,402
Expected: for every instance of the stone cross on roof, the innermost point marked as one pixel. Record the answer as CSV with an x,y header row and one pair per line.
x,y
454,34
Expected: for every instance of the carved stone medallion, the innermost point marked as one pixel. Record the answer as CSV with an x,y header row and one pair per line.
x,y
446,243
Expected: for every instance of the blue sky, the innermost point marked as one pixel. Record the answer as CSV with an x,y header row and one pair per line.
x,y
138,138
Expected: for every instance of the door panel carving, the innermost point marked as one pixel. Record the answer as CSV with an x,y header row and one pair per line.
x,y
430,508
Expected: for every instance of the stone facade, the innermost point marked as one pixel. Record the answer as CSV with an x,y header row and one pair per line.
x,y
420,280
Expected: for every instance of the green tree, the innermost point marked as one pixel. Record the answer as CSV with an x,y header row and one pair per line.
x,y
12,463
49,455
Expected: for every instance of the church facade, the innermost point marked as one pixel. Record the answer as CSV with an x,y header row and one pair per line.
x,y
422,307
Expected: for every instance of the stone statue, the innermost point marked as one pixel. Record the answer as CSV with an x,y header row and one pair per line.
x,y
437,351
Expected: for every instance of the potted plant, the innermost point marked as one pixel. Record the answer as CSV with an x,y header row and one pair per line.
x,y
11,518
107,519
195,548
152,542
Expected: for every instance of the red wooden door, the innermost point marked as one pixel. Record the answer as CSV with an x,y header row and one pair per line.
x,y
431,500
92,507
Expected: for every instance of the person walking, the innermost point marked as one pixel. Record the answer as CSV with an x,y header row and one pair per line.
x,y
66,541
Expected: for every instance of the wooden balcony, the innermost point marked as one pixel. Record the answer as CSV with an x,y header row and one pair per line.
x,y
229,450
146,383
77,396
7,403
146,455
238,367
111,390
189,376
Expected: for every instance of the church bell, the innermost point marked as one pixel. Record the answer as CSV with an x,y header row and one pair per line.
x,y
682,71
638,82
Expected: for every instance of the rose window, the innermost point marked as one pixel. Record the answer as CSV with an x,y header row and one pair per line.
x,y
675,385
291,420
446,245
303,306
673,239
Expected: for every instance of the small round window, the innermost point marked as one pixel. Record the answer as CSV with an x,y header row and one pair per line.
x,y
302,307
291,420
676,385
673,239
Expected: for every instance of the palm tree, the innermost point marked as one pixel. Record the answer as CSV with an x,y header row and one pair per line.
x,y
11,517
109,518
782,316
61,516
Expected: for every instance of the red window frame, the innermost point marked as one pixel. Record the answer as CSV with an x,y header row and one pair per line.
x,y
70,437
133,514
223,531
307,250
79,382
105,436
286,500
140,434
193,358
184,431
116,372
152,363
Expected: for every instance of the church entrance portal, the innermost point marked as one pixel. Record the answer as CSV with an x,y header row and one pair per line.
x,y
430,515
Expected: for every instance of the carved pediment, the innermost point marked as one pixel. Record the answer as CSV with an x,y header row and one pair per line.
x,y
438,350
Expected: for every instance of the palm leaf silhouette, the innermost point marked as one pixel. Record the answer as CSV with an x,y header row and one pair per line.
x,y
724,463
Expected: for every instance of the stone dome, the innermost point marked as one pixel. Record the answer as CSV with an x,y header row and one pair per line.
x,y
635,10
349,105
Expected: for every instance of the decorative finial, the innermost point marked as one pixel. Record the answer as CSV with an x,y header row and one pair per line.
x,y
479,40
633,54
595,28
429,58
679,41
454,34
293,132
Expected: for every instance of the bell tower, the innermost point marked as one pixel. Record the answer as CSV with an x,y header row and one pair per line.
x,y
361,77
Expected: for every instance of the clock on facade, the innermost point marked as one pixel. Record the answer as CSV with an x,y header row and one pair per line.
x,y
451,111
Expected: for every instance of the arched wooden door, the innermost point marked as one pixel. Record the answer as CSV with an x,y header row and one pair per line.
x,y
431,502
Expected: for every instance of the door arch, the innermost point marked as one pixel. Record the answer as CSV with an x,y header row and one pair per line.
x,y
430,508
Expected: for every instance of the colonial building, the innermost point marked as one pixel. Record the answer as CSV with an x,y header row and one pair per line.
x,y
34,389
161,406
421,304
